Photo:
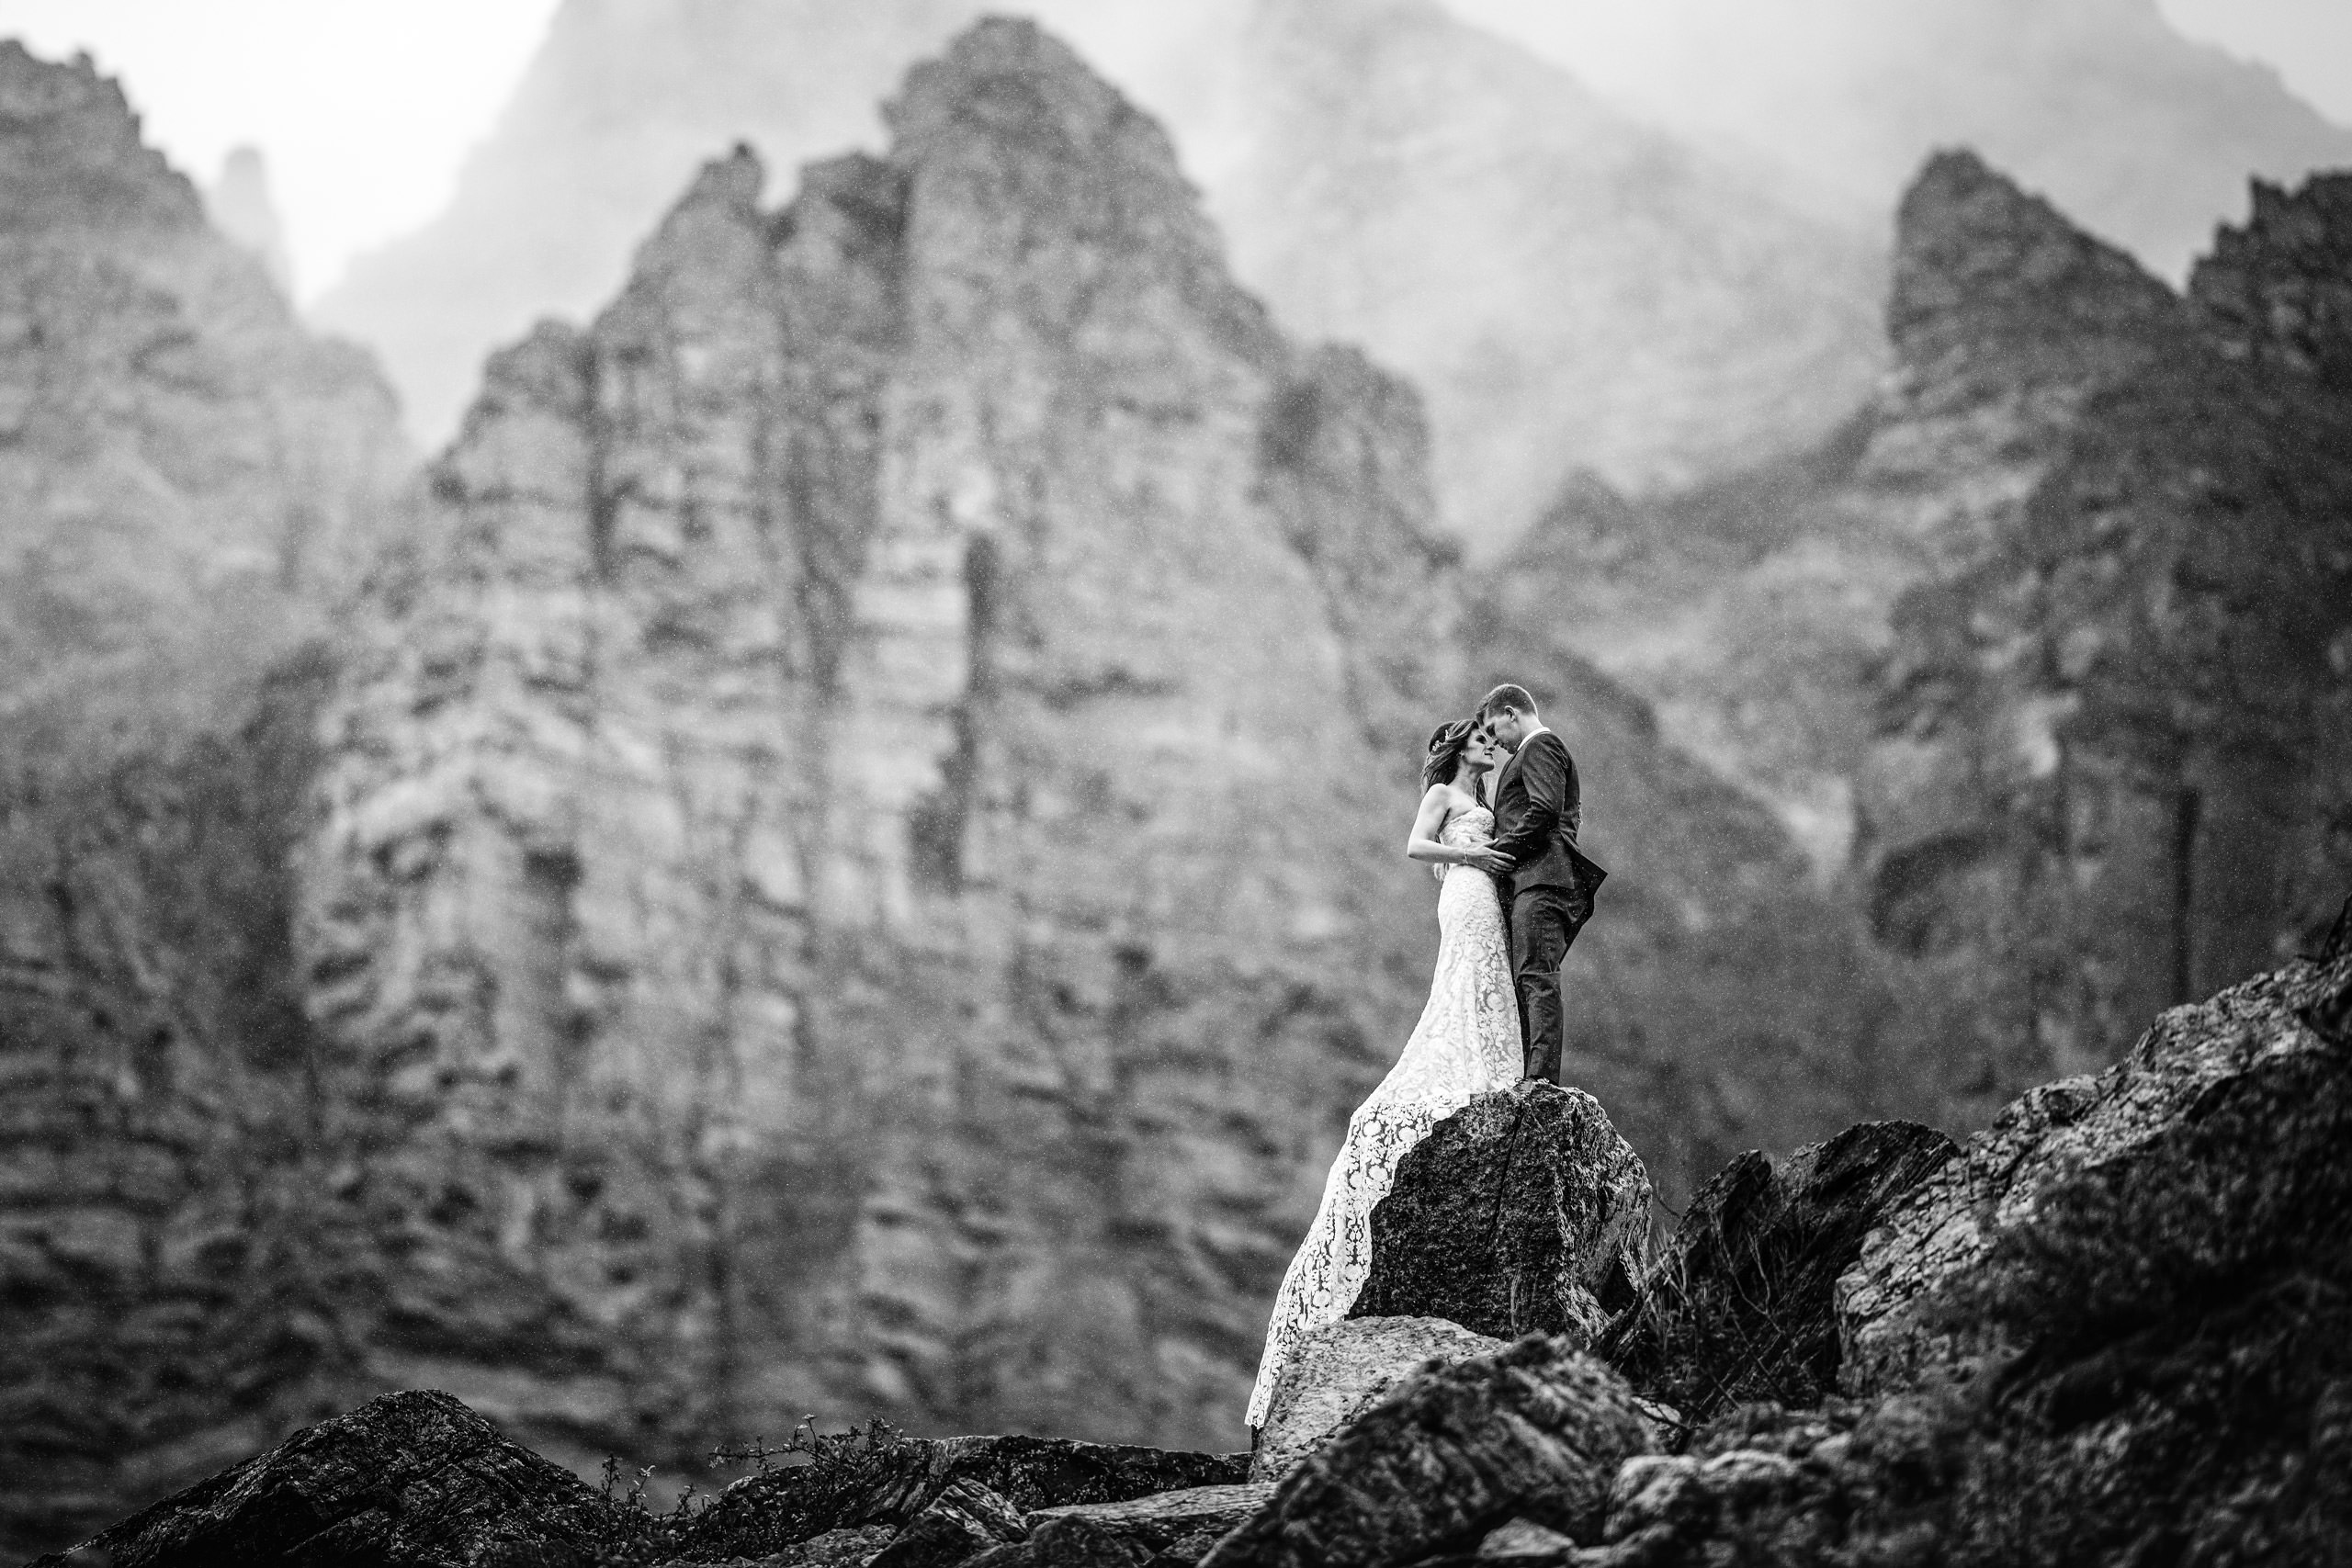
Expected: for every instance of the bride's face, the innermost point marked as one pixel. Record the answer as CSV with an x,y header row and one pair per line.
x,y
1480,752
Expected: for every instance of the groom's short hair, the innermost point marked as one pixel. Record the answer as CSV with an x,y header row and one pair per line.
x,y
1508,696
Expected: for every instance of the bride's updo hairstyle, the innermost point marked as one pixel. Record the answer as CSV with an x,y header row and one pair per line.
x,y
1446,742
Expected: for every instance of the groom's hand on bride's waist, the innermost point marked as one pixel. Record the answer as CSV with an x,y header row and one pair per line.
x,y
1491,860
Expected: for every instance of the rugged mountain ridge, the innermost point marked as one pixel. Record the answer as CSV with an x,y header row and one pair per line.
x,y
1564,284
901,723
2060,621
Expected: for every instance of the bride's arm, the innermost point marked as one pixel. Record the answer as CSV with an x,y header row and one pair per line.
x,y
1427,822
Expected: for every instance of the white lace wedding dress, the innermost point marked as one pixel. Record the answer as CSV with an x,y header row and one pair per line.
x,y
1465,1044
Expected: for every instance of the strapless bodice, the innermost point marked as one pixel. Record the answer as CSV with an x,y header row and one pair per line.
x,y
1475,825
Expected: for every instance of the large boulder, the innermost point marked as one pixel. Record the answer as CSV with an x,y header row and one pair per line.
x,y
2235,1106
414,1479
1739,1307
1536,1430
2143,1282
1343,1370
1523,1212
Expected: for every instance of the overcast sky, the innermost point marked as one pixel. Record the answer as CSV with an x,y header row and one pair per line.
x,y
364,109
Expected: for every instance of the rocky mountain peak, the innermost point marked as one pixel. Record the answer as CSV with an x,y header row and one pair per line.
x,y
2279,288
1979,259
240,205
850,672
71,154
1033,157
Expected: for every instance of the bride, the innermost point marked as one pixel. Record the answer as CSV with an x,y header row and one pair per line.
x,y
1467,1043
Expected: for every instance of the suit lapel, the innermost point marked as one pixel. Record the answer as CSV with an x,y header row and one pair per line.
x,y
1502,782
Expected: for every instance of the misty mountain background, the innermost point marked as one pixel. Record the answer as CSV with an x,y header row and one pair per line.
x,y
761,772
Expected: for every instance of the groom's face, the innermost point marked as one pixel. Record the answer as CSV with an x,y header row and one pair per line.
x,y
1508,727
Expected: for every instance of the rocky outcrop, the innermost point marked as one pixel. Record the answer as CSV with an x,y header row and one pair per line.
x,y
1343,1370
1738,1307
187,480
239,206
2110,716
2277,290
1523,1212
2047,648
2111,1330
1534,1430
2115,1198
412,1479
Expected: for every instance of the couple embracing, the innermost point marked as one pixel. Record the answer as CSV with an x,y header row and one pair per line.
x,y
1513,891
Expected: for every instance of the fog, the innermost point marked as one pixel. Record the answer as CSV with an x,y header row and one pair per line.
x,y
365,110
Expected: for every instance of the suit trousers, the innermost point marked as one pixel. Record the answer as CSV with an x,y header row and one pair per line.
x,y
1543,921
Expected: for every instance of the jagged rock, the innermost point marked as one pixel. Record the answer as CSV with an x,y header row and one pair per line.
x,y
1178,1527
2148,1276
1739,1307
1344,1369
888,1480
1996,1223
2278,290
1521,1212
964,1520
240,205
1536,1430
410,1479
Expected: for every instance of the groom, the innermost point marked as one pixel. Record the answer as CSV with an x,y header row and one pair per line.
x,y
1548,884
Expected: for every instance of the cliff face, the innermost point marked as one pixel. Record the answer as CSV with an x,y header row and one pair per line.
x,y
1563,284
185,479
856,868
837,865
2048,649
2110,759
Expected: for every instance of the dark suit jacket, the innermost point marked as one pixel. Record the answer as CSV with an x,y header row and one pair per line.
x,y
1537,812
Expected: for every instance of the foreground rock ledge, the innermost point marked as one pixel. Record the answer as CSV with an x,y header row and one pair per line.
x,y
414,1479
1536,1430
